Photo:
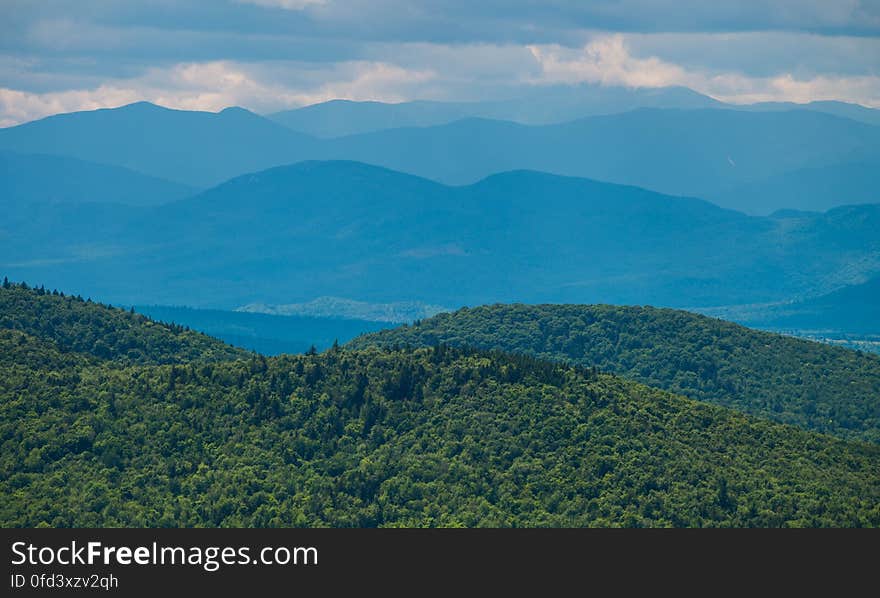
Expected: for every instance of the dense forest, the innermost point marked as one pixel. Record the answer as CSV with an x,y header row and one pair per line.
x,y
794,381
86,327
109,419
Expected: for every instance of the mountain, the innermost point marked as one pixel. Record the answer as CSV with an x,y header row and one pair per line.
x,y
699,153
857,112
339,118
707,153
198,149
426,437
846,311
789,380
850,309
264,333
810,189
51,201
51,235
291,234
546,105
542,106
29,179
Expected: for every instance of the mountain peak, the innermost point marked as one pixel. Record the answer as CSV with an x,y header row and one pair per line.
x,y
143,105
235,110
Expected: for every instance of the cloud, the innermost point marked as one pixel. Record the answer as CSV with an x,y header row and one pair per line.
x,y
372,81
761,53
274,54
607,60
213,86
19,106
426,71
863,90
526,21
499,22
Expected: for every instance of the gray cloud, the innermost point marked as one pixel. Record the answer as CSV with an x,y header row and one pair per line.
x,y
763,53
450,21
64,54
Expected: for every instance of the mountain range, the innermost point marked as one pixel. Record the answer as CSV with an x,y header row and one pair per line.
x,y
142,204
742,159
496,313
544,105
701,153
294,233
849,310
193,148
28,180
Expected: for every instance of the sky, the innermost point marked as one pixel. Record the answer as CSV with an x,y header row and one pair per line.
x,y
268,55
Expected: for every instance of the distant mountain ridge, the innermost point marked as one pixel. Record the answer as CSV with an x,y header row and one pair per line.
x,y
812,189
715,154
198,149
290,234
339,118
857,112
699,153
853,309
28,179
542,106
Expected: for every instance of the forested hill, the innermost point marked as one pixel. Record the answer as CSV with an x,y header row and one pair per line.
x,y
430,437
422,437
74,325
808,384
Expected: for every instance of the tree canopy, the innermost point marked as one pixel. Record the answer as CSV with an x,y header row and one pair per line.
x,y
436,436
794,381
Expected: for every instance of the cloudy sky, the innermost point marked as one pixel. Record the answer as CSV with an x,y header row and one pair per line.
x,y
266,55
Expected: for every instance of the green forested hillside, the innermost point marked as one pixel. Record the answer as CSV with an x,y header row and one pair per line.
x,y
75,325
425,437
808,384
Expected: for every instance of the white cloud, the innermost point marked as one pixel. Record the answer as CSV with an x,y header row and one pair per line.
x,y
607,60
370,81
863,90
212,86
19,106
399,72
